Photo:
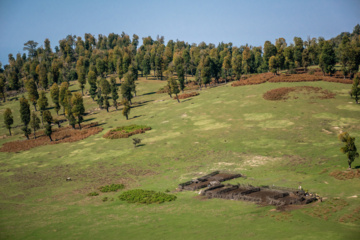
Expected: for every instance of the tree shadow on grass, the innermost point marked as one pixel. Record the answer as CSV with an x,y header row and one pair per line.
x,y
136,117
149,93
88,119
140,145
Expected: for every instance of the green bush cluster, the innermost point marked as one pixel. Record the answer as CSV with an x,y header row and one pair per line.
x,y
130,128
146,196
111,188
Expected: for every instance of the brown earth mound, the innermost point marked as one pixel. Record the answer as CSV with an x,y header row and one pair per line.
x,y
59,135
283,93
187,95
344,175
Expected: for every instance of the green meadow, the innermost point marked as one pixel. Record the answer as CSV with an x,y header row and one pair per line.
x,y
281,143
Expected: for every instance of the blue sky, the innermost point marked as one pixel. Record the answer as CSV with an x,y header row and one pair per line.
x,y
239,22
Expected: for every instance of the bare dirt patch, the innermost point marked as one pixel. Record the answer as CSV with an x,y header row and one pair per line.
x,y
59,135
283,93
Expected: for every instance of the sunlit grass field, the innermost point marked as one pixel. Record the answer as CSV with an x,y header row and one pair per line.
x,y
282,143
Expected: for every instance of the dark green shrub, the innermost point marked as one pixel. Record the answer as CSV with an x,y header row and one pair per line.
x,y
146,196
111,188
105,199
93,194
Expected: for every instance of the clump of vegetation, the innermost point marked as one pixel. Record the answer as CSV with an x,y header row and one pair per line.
x,y
344,175
111,188
136,141
105,199
92,194
146,196
126,131
349,149
187,95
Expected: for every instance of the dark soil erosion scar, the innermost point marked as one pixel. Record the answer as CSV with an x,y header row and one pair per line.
x,y
213,178
261,195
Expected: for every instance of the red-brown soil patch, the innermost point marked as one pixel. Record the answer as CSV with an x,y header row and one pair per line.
x,y
344,175
59,135
283,93
187,95
300,77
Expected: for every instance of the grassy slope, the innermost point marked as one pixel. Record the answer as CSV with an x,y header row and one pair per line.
x,y
225,128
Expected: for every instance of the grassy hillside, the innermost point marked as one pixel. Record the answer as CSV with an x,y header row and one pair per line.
x,y
282,143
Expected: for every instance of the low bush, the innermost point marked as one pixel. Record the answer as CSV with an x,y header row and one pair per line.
x,y
92,194
146,196
126,131
111,188
187,95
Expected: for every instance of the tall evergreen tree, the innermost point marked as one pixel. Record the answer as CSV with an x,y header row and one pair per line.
x,y
327,59
62,95
114,92
43,103
92,82
78,108
55,95
32,92
8,119
34,123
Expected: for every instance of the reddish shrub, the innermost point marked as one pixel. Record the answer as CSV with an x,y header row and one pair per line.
x,y
343,175
187,95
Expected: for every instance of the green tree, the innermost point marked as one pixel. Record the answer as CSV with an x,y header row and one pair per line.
x,y
273,64
2,88
114,92
78,108
82,78
126,109
305,58
30,46
25,116
344,52
54,94
146,65
174,88
327,58
100,66
8,119
92,82
48,117
355,89
226,66
48,131
126,88
43,103
62,95
34,123
349,149
32,92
